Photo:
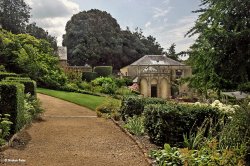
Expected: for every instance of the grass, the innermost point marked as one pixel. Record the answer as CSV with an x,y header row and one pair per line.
x,y
85,100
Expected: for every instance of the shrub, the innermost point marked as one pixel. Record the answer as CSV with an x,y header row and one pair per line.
x,y
244,87
134,105
107,85
135,125
131,105
89,76
124,91
4,127
29,85
3,75
103,71
32,107
168,123
109,109
2,68
12,102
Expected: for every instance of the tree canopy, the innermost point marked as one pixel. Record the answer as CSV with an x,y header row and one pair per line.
x,y
40,33
14,15
221,55
94,37
24,54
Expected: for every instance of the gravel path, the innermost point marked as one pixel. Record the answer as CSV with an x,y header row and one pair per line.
x,y
70,135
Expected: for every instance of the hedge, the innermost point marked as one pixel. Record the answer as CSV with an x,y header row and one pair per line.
x,y
168,123
103,71
17,78
12,103
30,85
134,105
89,76
3,75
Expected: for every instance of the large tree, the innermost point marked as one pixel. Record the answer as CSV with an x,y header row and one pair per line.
x,y
221,55
40,33
14,15
94,37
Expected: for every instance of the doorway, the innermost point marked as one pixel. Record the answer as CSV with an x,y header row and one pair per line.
x,y
153,90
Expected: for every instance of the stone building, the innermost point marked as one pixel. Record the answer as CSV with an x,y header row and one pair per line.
x,y
156,74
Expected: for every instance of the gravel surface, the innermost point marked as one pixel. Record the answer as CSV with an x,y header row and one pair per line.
x,y
71,135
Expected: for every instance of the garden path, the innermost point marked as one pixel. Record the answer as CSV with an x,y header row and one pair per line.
x,y
71,135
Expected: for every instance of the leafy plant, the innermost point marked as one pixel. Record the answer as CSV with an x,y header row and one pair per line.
x,y
168,156
5,124
135,125
109,109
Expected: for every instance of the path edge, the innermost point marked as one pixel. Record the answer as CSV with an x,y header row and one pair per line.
x,y
139,145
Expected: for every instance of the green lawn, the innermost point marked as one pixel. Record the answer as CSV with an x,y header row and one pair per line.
x,y
85,100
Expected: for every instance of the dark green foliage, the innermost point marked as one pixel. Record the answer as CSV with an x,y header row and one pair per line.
x,y
103,71
89,76
29,85
244,87
169,122
94,37
131,105
14,15
172,53
12,102
4,75
134,105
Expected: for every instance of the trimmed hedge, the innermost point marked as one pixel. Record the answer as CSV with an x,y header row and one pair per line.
x,y
30,85
89,76
168,123
3,75
103,71
12,102
17,78
134,105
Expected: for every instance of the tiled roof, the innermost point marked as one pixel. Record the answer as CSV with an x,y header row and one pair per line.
x,y
156,60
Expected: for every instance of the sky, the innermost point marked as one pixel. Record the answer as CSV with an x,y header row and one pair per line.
x,y
166,20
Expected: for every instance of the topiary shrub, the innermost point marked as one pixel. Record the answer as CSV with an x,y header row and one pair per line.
x,y
3,75
103,71
89,76
167,123
12,103
29,85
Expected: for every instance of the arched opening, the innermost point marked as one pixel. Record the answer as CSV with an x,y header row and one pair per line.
x,y
154,88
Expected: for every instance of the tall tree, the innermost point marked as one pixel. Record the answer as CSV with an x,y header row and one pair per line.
x,y
95,37
171,53
221,55
40,33
92,37
14,15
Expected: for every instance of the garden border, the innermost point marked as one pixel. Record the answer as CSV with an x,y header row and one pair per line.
x,y
139,145
8,144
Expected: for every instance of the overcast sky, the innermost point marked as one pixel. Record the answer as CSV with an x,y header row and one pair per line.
x,y
166,20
